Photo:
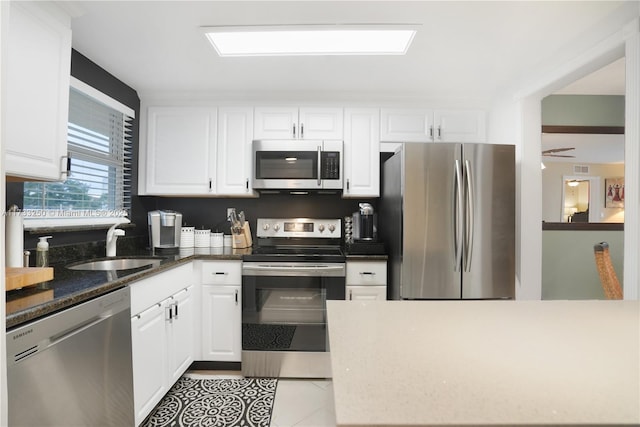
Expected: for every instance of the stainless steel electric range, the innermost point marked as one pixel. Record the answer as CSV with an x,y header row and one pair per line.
x,y
296,266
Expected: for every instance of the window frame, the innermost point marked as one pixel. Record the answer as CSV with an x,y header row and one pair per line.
x,y
39,219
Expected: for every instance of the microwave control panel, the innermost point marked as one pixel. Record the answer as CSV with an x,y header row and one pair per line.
x,y
330,165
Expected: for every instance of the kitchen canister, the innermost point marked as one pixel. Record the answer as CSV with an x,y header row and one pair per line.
x,y
187,237
217,240
228,240
202,238
14,237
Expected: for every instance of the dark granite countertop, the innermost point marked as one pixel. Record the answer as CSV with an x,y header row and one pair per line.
x,y
71,287
358,257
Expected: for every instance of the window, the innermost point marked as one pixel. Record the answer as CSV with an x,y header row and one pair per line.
x,y
98,185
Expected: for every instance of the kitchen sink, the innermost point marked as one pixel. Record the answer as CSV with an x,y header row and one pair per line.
x,y
116,263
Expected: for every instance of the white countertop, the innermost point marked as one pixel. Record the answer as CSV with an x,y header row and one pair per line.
x,y
485,362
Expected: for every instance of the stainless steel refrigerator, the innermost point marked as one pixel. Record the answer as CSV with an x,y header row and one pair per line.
x,y
447,214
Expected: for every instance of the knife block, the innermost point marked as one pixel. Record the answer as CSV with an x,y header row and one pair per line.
x,y
243,239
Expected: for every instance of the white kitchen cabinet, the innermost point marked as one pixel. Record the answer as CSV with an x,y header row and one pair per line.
x,y
181,150
424,125
361,152
366,280
234,166
162,334
459,126
36,93
298,123
222,311
149,343
366,293
180,336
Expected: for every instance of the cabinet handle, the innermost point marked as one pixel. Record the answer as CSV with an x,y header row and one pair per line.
x,y
65,166
236,297
210,184
294,130
347,184
350,295
302,130
369,273
175,314
246,184
168,313
439,132
431,132
220,273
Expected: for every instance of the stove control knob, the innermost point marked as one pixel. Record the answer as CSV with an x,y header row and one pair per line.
x,y
332,228
276,227
321,228
265,227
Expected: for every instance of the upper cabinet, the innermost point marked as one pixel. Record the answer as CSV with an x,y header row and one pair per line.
x,y
234,168
38,64
199,151
181,150
421,125
298,123
361,152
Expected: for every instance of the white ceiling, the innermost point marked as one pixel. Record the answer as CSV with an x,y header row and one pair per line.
x,y
463,50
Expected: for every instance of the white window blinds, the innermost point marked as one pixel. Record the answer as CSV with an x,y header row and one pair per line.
x,y
98,184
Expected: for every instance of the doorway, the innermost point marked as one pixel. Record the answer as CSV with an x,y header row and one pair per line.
x,y
581,152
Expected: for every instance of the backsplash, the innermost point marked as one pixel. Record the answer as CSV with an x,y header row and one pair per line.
x,y
64,254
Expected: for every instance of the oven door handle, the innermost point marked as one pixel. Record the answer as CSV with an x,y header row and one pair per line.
x,y
293,270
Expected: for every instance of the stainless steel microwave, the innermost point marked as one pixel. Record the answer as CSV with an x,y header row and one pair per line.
x,y
297,165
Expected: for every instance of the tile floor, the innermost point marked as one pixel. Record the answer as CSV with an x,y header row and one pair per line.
x,y
299,403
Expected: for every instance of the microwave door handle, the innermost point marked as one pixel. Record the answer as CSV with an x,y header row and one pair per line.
x,y
319,165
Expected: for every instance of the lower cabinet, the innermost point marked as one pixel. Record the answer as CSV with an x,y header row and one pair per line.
x,y
366,293
162,335
366,280
221,311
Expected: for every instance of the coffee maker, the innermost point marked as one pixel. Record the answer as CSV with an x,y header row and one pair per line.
x,y
364,223
164,230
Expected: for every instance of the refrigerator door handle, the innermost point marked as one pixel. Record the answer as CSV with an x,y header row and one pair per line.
x,y
457,220
469,215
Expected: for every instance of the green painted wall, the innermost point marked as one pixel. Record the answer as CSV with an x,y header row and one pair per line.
x,y
568,263
583,110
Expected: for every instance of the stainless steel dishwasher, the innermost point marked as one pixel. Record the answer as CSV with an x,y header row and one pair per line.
x,y
73,368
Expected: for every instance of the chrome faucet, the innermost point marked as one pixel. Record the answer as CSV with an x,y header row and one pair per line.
x,y
112,236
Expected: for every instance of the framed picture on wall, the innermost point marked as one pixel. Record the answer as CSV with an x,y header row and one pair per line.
x,y
614,192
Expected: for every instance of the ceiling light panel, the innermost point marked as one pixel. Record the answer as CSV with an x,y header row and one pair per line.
x,y
311,40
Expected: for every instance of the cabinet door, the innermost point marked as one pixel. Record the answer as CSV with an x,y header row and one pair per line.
x,y
148,347
366,293
459,126
361,152
180,333
275,123
181,145
222,323
406,125
320,123
38,63
235,132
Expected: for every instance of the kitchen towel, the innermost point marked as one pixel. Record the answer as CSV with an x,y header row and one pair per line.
x,y
14,239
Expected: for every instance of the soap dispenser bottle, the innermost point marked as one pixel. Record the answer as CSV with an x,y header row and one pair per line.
x,y
42,252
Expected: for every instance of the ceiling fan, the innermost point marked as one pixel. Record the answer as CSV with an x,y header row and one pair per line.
x,y
552,152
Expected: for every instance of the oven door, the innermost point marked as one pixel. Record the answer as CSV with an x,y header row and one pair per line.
x,y
284,316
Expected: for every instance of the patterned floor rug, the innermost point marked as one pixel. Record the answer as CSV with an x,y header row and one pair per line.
x,y
216,402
